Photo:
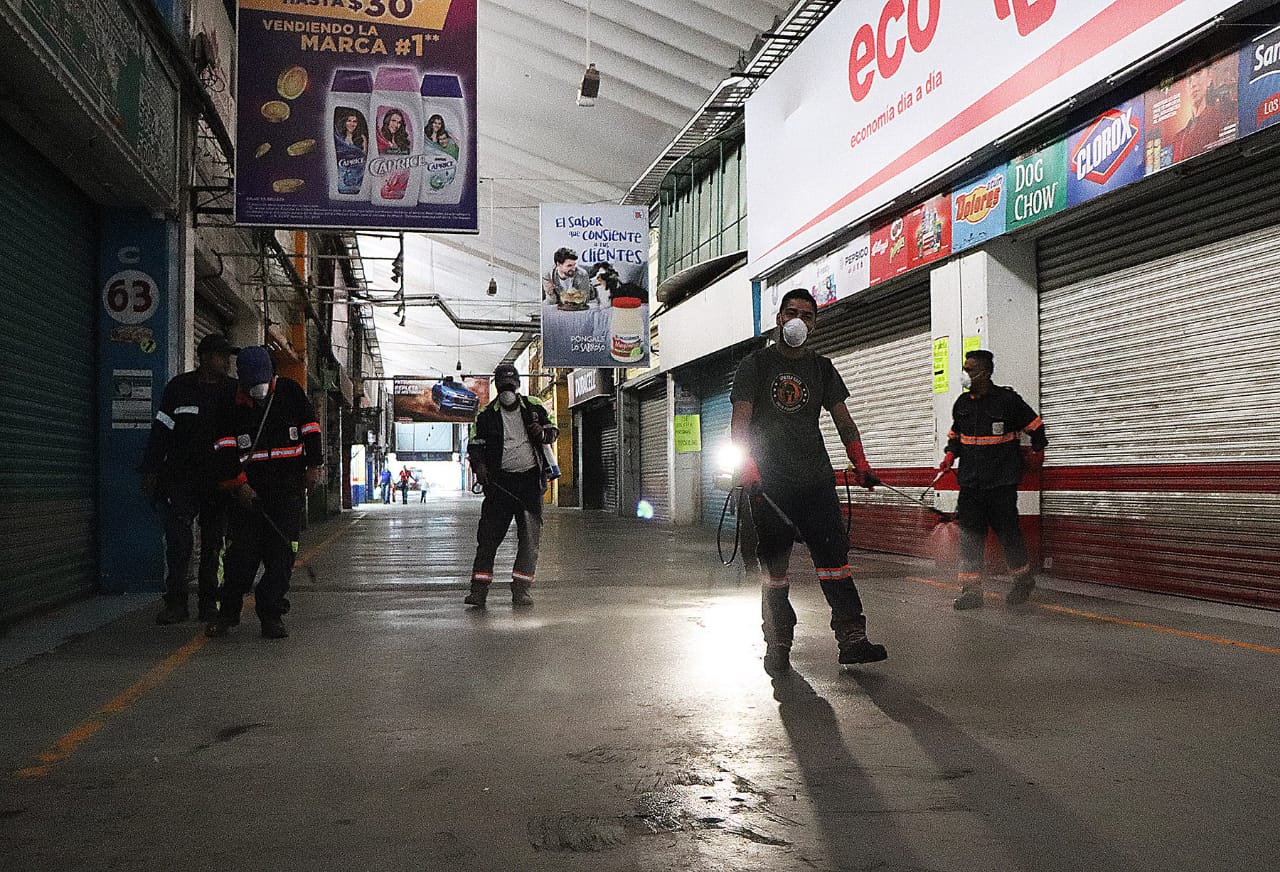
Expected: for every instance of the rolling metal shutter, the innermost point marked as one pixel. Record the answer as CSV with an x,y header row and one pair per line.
x,y
654,486
1159,390
609,459
207,320
716,414
48,469
885,365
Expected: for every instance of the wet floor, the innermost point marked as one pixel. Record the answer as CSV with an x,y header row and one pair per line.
x,y
624,723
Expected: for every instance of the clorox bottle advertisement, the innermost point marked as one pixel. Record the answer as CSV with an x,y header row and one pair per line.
x,y
357,114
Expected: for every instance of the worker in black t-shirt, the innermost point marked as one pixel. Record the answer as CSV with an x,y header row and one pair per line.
x,y
987,423
779,393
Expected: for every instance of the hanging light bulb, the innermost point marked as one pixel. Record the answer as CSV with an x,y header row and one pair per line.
x,y
492,290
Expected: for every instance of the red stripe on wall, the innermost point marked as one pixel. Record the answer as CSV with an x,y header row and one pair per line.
x,y
907,530
1221,565
1239,478
1074,49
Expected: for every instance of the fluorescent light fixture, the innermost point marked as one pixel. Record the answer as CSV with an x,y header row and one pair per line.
x,y
589,90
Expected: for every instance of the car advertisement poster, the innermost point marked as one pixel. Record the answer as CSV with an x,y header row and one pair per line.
x,y
1037,186
360,114
929,231
1259,82
1194,114
978,210
1106,154
446,400
595,285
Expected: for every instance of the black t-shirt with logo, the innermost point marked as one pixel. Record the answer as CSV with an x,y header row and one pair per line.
x,y
787,397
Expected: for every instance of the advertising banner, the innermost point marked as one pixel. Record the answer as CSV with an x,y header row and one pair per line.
x,y
1194,114
595,285
417,400
1038,185
360,114
1107,153
1259,79
885,95
978,210
889,256
834,277
929,231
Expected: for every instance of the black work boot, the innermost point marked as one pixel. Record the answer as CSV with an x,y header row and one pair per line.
x,y
971,597
479,593
862,651
777,659
1023,584
274,628
520,594
172,614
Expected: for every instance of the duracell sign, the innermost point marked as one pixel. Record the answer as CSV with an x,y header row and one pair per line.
x,y
586,384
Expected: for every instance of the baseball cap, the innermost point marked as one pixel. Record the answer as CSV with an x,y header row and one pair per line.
x,y
214,343
253,365
506,374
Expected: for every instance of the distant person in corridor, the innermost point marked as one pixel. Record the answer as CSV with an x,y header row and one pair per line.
x,y
987,422
509,461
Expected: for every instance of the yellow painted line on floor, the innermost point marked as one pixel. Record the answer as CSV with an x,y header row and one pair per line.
x,y
1142,625
312,550
71,741
1122,622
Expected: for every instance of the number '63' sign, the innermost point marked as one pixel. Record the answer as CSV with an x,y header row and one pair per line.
x,y
130,296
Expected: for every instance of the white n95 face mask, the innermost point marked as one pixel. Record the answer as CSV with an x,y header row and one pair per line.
x,y
259,392
965,381
794,333
507,398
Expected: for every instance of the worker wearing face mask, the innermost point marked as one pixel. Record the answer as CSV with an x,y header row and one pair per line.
x,y
269,452
779,393
511,459
987,423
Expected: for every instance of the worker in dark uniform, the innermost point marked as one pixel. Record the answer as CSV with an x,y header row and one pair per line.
x,y
269,452
507,450
986,428
178,473
779,393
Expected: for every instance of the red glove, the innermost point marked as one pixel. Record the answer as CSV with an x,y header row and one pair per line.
x,y
1032,460
947,460
865,477
749,476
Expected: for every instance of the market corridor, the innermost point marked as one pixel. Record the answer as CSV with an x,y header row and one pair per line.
x,y
624,722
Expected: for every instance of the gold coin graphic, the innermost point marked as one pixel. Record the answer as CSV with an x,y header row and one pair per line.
x,y
302,146
292,83
275,111
287,186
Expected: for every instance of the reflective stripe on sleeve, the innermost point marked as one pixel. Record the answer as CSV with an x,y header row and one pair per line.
x,y
312,427
1035,425
225,442
187,410
164,419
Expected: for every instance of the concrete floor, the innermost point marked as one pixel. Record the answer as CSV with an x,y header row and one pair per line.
x,y
624,723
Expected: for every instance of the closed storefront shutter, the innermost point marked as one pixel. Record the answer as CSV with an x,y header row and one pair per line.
x,y
885,363
1160,396
48,243
207,320
609,460
654,486
716,414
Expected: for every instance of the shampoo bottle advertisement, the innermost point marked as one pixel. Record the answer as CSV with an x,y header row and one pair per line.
x,y
347,118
